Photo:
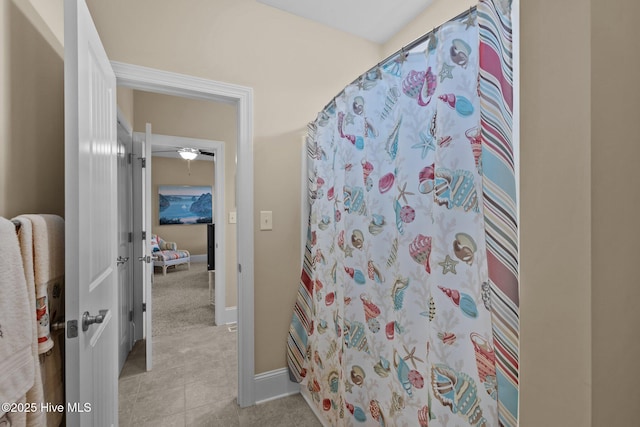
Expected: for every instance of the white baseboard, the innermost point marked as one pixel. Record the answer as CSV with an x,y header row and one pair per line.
x,y
199,258
229,315
274,385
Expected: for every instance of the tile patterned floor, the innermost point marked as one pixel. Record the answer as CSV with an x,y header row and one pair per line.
x,y
194,383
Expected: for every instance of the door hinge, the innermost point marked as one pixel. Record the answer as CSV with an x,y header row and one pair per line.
x,y
239,268
144,161
144,235
129,158
131,316
144,307
72,328
130,237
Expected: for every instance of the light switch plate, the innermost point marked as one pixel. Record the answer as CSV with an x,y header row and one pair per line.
x,y
232,218
266,220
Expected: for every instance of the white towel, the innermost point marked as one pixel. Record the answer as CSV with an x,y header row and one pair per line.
x,y
36,393
48,265
16,333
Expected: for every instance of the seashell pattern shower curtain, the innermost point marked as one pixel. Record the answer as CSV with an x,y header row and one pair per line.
x,y
394,320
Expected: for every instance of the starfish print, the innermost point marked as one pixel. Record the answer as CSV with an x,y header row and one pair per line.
x,y
448,265
411,356
348,386
348,120
348,251
426,143
404,193
471,21
445,72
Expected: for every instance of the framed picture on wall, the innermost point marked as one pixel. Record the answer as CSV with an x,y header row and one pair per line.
x,y
185,204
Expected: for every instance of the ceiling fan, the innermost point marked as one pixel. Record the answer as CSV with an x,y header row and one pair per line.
x,y
187,153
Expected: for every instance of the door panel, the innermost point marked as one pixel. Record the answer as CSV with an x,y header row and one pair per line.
x,y
125,276
91,222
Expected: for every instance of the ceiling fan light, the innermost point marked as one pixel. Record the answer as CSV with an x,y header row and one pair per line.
x,y
188,153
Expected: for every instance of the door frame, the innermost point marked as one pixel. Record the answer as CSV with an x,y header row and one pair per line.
x,y
223,315
168,83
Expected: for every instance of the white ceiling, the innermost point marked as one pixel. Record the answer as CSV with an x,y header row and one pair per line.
x,y
374,20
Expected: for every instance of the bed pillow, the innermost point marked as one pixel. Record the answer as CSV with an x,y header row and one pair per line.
x,y
155,247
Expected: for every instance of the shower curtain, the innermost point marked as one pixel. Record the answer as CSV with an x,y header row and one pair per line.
x,y
395,321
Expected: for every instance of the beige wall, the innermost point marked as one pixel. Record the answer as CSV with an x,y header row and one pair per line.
x,y
170,115
438,12
31,117
124,96
166,171
294,66
555,246
615,203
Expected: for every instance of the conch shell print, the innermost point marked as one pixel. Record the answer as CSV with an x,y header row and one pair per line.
x,y
458,392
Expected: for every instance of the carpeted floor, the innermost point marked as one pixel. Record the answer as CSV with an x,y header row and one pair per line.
x,y
181,300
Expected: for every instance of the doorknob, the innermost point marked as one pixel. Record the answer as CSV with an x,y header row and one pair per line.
x,y
121,260
88,320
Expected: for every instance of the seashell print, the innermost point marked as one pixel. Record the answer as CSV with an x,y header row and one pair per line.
x,y
373,325
331,194
424,415
392,141
407,214
399,223
486,295
357,239
377,224
374,409
416,379
357,375
386,182
468,306
432,308
464,247
359,414
426,179
334,381
397,292
354,200
324,223
341,239
430,86
350,407
412,84
322,326
393,255
397,403
458,392
326,404
317,359
402,370
447,337
329,298
371,311
358,105
459,103
460,52
420,251
485,357
462,300
474,135
359,278
382,368
355,336
390,330
374,273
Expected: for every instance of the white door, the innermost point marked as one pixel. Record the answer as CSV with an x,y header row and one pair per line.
x,y
91,217
125,253
147,275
